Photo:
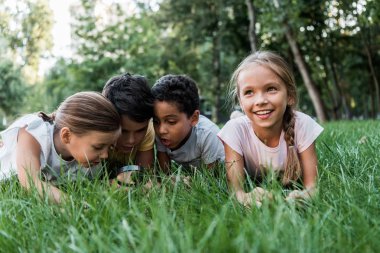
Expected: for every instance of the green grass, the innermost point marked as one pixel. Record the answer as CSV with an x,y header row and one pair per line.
x,y
344,216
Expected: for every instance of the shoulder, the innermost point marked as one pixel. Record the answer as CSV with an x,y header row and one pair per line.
x,y
205,123
304,121
235,130
205,126
306,130
238,124
27,140
205,133
26,120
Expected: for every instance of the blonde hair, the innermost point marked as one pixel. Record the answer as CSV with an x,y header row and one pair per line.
x,y
279,66
83,112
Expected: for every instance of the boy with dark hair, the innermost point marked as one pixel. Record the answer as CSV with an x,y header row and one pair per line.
x,y
182,134
132,98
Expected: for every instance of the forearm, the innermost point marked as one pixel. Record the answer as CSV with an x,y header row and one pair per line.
x,y
235,179
145,158
44,189
163,162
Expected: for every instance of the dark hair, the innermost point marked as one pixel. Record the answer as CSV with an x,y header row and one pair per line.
x,y
179,89
131,96
83,112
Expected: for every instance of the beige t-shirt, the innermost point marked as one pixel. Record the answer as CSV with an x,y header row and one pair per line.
x,y
147,144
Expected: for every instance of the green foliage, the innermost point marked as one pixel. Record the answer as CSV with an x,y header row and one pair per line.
x,y
205,40
26,32
12,88
343,217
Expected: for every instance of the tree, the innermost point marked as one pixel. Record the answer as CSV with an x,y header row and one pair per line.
x,y
300,61
26,32
252,24
12,88
214,32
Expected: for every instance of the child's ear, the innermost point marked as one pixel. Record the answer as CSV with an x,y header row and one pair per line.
x,y
195,118
290,101
65,135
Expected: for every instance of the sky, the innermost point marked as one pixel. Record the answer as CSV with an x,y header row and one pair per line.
x,y
60,32
61,27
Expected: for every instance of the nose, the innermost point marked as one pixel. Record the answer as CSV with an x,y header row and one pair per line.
x,y
104,154
260,99
130,139
162,129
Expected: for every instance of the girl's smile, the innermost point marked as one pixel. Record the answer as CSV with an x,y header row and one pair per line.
x,y
263,97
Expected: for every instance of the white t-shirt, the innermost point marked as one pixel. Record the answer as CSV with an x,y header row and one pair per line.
x,y
239,135
53,166
202,147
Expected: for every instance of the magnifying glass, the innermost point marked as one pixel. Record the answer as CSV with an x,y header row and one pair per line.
x,y
128,168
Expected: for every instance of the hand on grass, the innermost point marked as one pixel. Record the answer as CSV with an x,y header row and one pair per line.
x,y
185,179
299,195
149,185
256,196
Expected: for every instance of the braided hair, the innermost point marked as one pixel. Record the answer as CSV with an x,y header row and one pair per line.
x,y
279,66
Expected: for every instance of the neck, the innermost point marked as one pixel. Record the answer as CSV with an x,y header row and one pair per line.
x,y
270,137
60,147
183,141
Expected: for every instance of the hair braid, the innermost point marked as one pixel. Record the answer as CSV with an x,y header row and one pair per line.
x,y
293,167
47,117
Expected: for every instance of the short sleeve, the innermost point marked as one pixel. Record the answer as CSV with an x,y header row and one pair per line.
x,y
212,149
230,134
307,131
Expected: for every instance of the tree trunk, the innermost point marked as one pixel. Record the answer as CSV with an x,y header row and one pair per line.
x,y
252,25
217,79
303,68
332,93
375,81
343,96
216,40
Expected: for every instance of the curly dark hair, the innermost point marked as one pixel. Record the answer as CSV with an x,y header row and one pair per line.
x,y
178,89
131,96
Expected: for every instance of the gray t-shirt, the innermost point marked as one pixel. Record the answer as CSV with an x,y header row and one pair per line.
x,y
202,147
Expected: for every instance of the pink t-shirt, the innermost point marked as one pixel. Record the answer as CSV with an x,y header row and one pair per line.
x,y
239,135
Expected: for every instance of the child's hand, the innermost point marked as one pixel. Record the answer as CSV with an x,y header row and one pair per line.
x,y
119,185
185,179
259,194
246,199
126,178
149,185
298,195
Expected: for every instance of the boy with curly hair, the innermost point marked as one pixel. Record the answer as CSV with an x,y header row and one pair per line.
x,y
182,134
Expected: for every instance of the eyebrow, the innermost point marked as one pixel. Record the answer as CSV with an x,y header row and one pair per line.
x,y
171,116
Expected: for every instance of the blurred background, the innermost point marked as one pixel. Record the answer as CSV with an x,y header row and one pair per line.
x,y
50,49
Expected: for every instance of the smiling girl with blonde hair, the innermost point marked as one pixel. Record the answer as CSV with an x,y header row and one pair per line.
x,y
272,135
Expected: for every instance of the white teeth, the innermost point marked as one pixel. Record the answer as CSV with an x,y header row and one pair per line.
x,y
262,112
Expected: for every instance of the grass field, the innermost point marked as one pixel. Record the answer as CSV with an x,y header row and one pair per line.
x,y
343,217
